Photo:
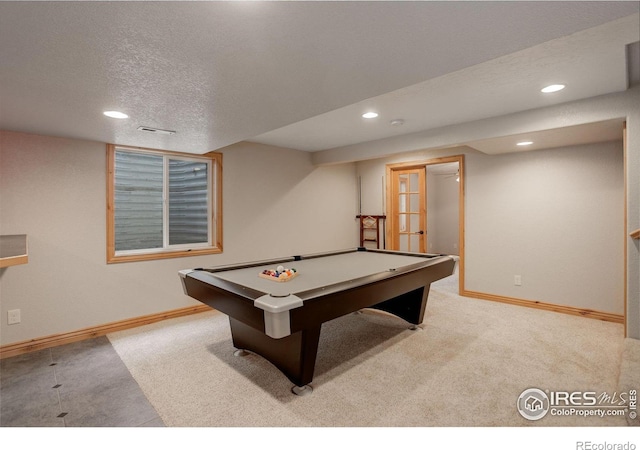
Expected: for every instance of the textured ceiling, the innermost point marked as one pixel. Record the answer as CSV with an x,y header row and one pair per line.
x,y
222,72
493,88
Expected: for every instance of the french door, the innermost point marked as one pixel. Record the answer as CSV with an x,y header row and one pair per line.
x,y
408,209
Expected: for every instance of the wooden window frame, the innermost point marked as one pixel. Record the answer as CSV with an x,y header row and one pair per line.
x,y
215,244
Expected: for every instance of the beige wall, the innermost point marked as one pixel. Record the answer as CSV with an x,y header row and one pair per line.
x,y
276,203
555,217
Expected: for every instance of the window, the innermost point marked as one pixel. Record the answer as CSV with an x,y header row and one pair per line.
x,y
162,204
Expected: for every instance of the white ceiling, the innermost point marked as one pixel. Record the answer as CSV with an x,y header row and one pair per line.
x,y
590,63
609,130
297,74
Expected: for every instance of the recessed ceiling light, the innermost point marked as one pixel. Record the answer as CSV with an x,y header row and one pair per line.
x,y
523,143
552,88
115,114
370,115
396,122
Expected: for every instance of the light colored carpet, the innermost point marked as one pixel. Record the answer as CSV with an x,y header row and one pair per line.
x,y
466,367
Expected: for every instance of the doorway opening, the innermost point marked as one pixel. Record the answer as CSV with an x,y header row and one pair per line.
x,y
425,201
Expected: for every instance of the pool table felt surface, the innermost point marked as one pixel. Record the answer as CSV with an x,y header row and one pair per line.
x,y
319,272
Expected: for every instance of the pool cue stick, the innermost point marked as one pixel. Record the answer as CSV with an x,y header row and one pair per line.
x,y
384,213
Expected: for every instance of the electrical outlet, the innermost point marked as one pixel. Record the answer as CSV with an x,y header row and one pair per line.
x,y
13,316
517,280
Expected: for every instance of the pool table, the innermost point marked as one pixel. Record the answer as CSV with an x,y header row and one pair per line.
x,y
281,321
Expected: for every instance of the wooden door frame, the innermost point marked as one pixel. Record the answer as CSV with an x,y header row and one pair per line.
x,y
390,168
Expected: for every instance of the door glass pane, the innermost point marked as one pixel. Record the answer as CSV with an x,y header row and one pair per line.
x,y
403,183
414,200
402,203
414,242
413,182
404,243
415,223
403,222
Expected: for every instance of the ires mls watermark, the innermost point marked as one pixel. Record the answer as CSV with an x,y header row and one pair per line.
x,y
534,404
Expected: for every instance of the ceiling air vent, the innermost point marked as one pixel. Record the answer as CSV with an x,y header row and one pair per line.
x,y
155,130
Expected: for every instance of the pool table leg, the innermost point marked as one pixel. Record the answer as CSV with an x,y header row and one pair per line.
x,y
294,355
410,306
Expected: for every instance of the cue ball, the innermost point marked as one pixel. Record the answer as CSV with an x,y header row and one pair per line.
x,y
280,269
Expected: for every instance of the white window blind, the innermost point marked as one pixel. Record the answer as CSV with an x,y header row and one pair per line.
x,y
138,201
161,202
188,202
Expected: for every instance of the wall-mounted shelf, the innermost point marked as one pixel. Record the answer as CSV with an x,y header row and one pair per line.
x,y
635,234
13,250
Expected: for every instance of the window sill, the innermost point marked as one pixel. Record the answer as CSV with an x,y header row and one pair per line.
x,y
112,258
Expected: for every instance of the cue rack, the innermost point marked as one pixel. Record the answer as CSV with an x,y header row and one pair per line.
x,y
370,229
